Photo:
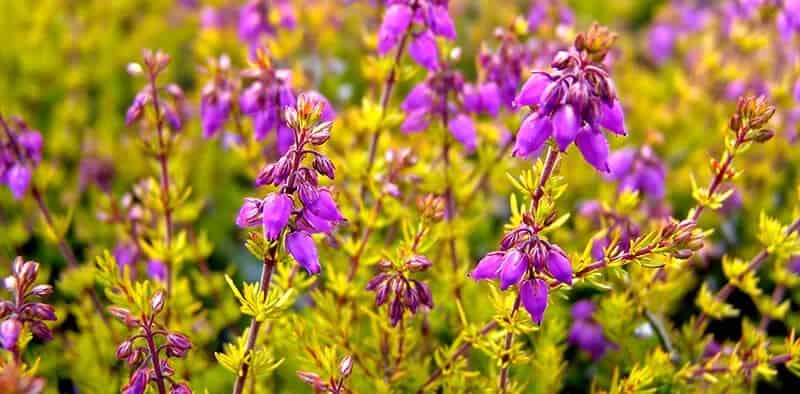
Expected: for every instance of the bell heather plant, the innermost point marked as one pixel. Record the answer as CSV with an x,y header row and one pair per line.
x,y
415,216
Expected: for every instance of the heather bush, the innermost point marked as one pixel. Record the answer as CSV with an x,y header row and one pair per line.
x,y
263,196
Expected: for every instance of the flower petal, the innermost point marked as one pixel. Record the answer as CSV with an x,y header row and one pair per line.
x,y
594,147
565,126
533,293
513,267
302,248
532,134
488,267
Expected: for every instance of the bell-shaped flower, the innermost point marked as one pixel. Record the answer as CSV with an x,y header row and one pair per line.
x,y
303,249
533,294
275,212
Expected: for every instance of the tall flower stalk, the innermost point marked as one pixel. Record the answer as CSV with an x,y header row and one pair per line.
x,y
167,120
298,208
25,147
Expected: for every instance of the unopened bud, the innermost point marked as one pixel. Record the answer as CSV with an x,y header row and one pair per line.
x,y
346,366
42,290
124,350
763,135
157,302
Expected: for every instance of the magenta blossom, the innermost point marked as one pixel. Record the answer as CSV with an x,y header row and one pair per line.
x,y
434,20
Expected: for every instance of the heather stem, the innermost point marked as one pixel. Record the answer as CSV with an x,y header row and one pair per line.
x,y
151,345
461,351
388,86
365,235
754,265
777,296
63,247
266,276
163,160
506,347
549,165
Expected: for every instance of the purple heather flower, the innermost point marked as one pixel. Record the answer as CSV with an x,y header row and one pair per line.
x,y
138,382
302,248
586,333
18,179
298,183
214,111
428,100
157,270
488,267
558,265
137,107
275,212
31,143
571,104
463,130
514,265
423,50
589,337
254,20
594,147
409,294
9,333
181,388
324,206
732,204
526,260
712,349
532,135
395,22
661,42
794,264
533,294
638,170
582,310
433,17
485,98
250,213
125,253
541,11
264,103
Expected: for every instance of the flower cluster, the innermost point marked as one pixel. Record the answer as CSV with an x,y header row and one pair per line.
x,y
638,170
263,101
20,152
408,294
174,110
573,102
432,19
144,351
22,310
300,204
684,18
550,10
256,20
217,97
586,333
502,72
431,99
528,260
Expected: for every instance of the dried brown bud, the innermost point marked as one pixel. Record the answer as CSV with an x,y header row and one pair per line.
x,y
763,135
431,207
596,42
